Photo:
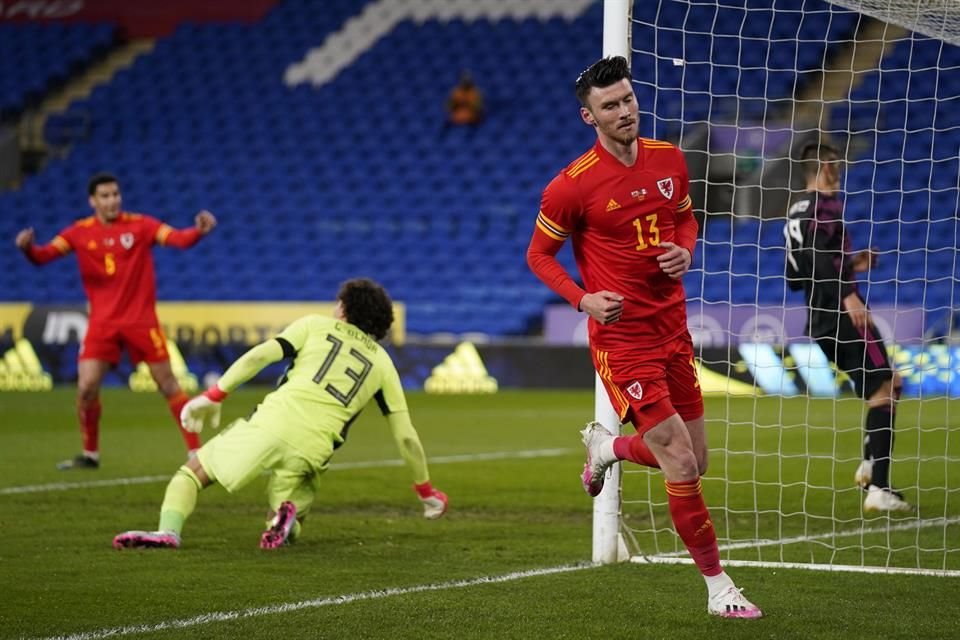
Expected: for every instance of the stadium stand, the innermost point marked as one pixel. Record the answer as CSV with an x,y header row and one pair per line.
x,y
37,57
315,184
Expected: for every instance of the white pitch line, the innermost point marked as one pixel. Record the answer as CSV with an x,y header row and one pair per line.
x,y
341,466
223,616
862,531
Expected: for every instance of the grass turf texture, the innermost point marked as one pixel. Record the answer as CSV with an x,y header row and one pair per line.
x,y
60,576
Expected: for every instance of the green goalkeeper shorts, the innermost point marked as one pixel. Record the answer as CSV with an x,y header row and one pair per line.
x,y
245,450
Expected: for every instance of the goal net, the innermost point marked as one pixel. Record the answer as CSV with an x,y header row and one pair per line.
x,y
740,90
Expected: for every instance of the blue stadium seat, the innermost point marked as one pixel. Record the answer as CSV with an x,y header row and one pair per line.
x,y
205,121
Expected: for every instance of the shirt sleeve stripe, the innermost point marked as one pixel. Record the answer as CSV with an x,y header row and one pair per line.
x,y
585,158
162,233
685,204
573,173
61,244
551,228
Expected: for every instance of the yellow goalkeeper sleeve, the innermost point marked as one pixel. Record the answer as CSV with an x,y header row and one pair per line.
x,y
408,442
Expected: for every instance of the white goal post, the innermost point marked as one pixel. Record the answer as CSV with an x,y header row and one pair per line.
x,y
784,425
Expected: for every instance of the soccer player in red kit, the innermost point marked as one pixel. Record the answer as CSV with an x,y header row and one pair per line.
x,y
625,205
113,250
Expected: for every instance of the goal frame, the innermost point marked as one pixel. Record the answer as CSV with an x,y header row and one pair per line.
x,y
609,534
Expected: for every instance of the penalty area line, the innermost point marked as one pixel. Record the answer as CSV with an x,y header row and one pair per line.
x,y
256,612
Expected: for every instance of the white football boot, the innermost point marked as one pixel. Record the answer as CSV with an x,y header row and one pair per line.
x,y
885,499
595,468
730,603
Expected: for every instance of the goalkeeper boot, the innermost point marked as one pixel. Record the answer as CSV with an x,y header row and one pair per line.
x,y
279,532
730,603
80,461
147,540
594,435
864,474
885,499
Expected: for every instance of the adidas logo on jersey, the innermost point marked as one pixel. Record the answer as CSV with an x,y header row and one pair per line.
x,y
613,204
20,369
461,372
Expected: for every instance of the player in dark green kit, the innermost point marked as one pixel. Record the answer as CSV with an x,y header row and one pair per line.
x,y
338,367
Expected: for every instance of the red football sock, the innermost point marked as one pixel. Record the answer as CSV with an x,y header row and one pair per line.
x,y
176,404
89,414
692,522
634,449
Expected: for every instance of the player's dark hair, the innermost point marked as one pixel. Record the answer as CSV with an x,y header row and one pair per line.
x,y
367,305
98,179
813,153
602,73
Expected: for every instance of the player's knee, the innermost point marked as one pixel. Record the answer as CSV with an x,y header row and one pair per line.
x,y
87,393
167,385
702,462
682,462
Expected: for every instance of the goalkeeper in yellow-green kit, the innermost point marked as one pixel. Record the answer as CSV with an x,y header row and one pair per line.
x,y
338,367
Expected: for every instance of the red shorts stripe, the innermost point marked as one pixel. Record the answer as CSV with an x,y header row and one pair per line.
x,y
649,385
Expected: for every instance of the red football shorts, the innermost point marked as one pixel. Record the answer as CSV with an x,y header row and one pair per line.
x,y
144,343
648,385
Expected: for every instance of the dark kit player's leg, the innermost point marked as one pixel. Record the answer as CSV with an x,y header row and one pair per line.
x,y
863,356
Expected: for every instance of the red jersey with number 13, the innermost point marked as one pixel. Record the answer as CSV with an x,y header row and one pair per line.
x,y
116,266
617,217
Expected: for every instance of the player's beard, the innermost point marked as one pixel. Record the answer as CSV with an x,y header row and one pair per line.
x,y
625,135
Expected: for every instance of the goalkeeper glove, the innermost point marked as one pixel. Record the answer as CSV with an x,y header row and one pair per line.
x,y
434,502
203,411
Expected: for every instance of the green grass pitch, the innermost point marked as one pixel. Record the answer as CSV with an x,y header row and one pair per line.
x,y
369,566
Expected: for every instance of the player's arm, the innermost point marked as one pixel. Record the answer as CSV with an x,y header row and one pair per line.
x,y
549,234
822,257
167,236
41,254
393,405
547,239
826,274
678,256
408,444
205,409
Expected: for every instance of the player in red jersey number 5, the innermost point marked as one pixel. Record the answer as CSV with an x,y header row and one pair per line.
x,y
114,255
625,205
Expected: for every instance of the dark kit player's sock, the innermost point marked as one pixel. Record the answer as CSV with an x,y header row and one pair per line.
x,y
879,425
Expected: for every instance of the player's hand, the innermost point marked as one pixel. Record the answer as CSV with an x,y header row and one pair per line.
x,y
858,312
24,239
434,502
675,261
202,411
865,260
603,306
205,222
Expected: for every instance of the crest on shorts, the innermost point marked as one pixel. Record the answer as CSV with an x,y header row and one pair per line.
x,y
635,390
666,187
126,240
